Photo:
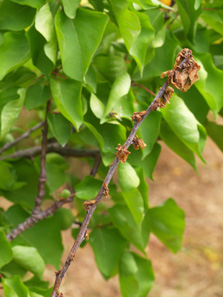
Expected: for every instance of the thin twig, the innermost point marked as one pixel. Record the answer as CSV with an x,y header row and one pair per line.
x,y
53,148
38,216
96,165
20,138
143,87
90,210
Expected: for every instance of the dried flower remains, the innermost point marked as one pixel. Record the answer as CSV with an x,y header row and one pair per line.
x,y
122,153
137,116
138,143
184,76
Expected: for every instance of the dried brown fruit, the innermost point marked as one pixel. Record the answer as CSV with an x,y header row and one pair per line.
x,y
122,153
138,142
166,97
137,116
185,78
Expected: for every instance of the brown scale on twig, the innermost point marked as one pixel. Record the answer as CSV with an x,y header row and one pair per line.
x,y
166,97
137,116
106,190
86,235
122,153
138,143
185,78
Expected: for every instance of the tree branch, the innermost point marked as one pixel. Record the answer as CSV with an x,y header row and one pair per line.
x,y
143,87
20,138
91,207
53,148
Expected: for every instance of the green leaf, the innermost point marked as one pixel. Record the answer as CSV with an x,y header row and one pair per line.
x,y
15,17
40,50
14,287
209,84
96,134
150,131
167,223
215,132
108,245
44,24
67,96
27,174
88,188
55,167
126,224
184,125
64,217
60,127
139,47
32,3
136,275
128,179
36,96
213,19
70,7
13,268
29,258
119,89
143,186
5,250
10,113
189,14
77,50
9,57
48,230
97,106
110,67
176,145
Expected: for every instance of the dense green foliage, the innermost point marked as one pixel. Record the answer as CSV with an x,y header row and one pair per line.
x,y
92,59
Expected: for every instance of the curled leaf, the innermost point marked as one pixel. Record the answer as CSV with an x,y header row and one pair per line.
x,y
122,153
182,77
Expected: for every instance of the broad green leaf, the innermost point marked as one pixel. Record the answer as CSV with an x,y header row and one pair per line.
x,y
126,224
15,17
209,84
108,245
139,47
29,258
70,7
176,145
124,108
36,96
163,59
20,77
88,188
77,50
60,127
14,287
26,173
189,14
97,106
41,52
10,113
9,57
35,282
48,230
110,67
213,19
32,3
135,203
216,133
167,223
5,250
55,167
136,275
119,89
44,24
8,176
143,186
128,179
184,125
67,96
149,162
150,130
64,217
13,268
96,134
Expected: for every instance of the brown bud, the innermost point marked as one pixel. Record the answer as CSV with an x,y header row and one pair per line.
x,y
137,116
122,153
